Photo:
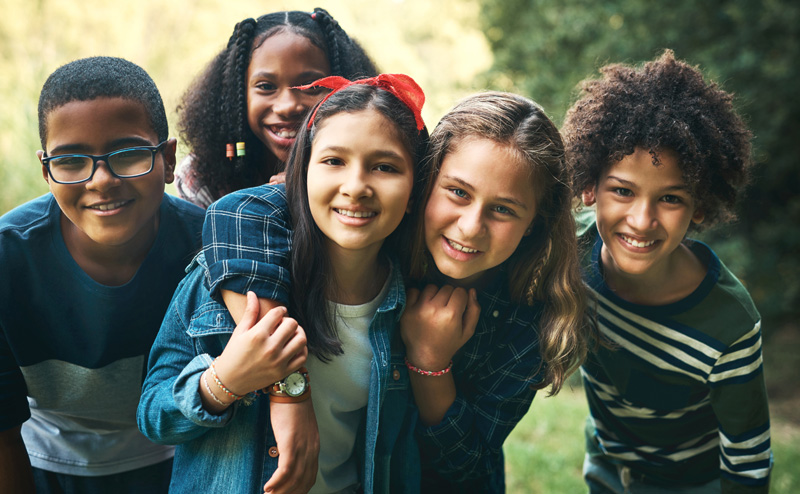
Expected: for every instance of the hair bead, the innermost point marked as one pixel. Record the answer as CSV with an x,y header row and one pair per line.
x,y
240,148
229,153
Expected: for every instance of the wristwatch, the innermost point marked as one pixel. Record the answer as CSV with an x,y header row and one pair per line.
x,y
293,385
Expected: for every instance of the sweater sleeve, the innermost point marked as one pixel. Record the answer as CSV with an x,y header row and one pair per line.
x,y
739,400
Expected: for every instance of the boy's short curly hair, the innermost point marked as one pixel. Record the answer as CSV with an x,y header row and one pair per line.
x,y
101,77
665,104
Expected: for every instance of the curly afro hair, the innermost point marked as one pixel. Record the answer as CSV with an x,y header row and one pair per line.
x,y
665,104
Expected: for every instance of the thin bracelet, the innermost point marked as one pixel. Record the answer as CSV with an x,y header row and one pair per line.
x,y
222,386
442,372
208,388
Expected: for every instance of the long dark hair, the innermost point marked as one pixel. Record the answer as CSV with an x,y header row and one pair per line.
x,y
213,111
312,274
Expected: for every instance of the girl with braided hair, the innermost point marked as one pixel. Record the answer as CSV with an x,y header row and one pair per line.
x,y
502,315
241,115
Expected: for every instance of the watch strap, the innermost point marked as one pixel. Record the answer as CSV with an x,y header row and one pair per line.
x,y
289,399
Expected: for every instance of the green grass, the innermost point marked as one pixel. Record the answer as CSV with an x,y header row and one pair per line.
x,y
544,453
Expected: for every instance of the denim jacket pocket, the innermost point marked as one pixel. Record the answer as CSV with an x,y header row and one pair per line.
x,y
209,320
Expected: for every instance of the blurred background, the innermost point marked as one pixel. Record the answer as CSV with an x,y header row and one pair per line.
x,y
539,48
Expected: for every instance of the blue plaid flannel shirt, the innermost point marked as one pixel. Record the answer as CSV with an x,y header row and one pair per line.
x,y
494,373
255,255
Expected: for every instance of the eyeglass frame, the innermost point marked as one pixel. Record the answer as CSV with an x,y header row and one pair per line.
x,y
104,158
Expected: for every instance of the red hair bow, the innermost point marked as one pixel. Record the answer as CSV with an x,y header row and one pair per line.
x,y
401,86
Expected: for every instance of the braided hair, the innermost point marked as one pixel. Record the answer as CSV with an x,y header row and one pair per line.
x,y
213,111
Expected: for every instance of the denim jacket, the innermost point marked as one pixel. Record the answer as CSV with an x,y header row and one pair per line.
x,y
229,452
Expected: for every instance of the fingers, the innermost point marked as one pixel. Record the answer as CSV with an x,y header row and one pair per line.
x,y
296,347
250,315
278,178
297,461
458,300
280,478
412,295
271,320
471,314
299,359
429,293
288,333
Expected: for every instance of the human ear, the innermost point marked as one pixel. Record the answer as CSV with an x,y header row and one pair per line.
x,y
588,195
169,160
698,216
45,175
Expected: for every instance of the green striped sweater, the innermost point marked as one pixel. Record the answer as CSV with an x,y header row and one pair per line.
x,y
680,396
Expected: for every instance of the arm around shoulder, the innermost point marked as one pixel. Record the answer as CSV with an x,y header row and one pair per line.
x,y
170,408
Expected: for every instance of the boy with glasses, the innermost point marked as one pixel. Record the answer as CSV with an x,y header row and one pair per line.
x,y
88,272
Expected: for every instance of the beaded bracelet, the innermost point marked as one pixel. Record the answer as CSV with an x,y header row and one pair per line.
x,y
222,386
442,372
208,388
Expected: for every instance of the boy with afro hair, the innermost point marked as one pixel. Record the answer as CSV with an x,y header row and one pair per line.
x,y
676,395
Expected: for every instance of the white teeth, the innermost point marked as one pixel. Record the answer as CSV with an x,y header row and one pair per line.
x,y
286,133
636,243
108,207
461,248
356,214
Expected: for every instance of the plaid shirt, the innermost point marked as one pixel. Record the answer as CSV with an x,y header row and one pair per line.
x,y
247,236
494,373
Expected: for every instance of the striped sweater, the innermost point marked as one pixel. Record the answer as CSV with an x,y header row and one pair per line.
x,y
680,398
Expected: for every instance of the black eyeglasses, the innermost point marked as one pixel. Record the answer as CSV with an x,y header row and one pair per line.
x,y
124,163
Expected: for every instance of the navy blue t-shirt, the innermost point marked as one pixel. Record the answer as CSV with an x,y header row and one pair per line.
x,y
73,352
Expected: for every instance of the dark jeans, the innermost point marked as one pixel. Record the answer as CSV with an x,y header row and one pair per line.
x,y
148,480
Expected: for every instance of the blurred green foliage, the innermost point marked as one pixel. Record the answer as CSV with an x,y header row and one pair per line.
x,y
543,48
438,43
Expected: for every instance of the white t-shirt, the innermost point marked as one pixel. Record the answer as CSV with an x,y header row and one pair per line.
x,y
340,393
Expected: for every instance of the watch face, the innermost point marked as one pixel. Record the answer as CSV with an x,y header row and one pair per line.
x,y
295,384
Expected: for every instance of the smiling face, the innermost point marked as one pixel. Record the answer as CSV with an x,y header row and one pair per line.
x,y
643,214
107,211
481,205
360,178
275,110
